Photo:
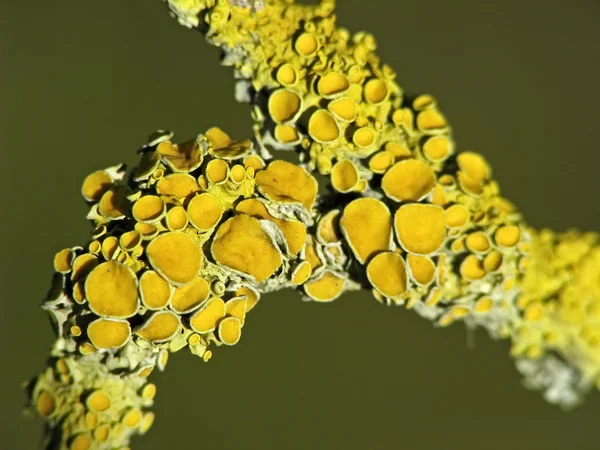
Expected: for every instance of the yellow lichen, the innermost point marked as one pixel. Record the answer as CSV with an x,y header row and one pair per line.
x,y
155,291
285,182
327,229
492,261
241,244
111,290
343,109
175,256
387,273
230,330
148,208
421,268
113,204
293,230
332,84
310,253
454,250
420,228
344,176
301,273
284,105
190,296
109,247
437,148
457,216
375,91
109,333
322,127
218,138
367,226
236,307
130,241
177,218
408,180
133,418
98,401
204,211
484,304
147,422
95,185
255,162
237,174
325,289
63,261
472,268
286,134
82,265
102,433
507,236
399,151
177,185
149,391
381,161
306,44
250,294
478,242
81,442
424,101
286,74
181,158
431,121
217,171
45,404
363,137
160,327
206,318
474,166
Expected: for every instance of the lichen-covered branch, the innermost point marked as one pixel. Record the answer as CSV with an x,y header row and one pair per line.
x,y
185,244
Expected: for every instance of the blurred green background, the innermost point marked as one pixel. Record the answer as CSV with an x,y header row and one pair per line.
x,y
83,83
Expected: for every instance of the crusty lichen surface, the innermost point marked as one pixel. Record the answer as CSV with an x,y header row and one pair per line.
x,y
185,244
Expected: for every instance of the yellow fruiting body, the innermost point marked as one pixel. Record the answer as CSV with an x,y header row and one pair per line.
x,y
243,245
155,291
367,227
160,327
175,256
189,297
325,289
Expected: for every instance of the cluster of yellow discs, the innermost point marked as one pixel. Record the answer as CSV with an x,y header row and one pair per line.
x,y
437,234
184,245
181,249
423,209
96,409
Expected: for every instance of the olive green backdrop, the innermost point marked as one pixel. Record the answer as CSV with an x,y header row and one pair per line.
x,y
82,83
